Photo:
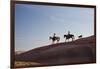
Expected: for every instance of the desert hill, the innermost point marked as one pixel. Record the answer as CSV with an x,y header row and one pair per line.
x,y
79,51
18,52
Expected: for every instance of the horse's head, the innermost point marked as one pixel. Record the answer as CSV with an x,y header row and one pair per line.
x,y
50,38
64,36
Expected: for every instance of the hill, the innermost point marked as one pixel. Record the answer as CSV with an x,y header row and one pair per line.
x,y
79,51
18,52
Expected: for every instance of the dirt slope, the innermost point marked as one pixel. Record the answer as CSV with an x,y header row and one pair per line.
x,y
79,51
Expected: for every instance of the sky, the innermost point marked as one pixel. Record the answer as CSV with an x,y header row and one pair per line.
x,y
35,23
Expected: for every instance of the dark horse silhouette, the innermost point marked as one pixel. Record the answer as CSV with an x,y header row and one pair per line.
x,y
80,36
54,38
68,36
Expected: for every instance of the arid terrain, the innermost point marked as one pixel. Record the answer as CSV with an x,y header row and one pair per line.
x,y
79,51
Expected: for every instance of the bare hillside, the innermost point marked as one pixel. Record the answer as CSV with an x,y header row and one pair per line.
x,y
79,51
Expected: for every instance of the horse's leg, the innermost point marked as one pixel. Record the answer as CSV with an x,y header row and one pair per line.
x,y
72,38
68,40
57,41
65,40
53,42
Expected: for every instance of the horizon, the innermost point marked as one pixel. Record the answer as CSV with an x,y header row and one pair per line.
x,y
35,23
47,45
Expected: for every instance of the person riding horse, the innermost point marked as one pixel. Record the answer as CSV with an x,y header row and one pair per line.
x,y
54,38
54,35
68,36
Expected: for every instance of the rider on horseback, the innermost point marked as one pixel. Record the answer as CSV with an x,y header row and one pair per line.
x,y
54,38
68,32
54,35
68,36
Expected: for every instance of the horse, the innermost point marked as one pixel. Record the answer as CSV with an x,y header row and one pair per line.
x,y
80,36
68,37
56,38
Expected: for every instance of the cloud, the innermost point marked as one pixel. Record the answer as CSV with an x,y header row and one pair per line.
x,y
57,18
